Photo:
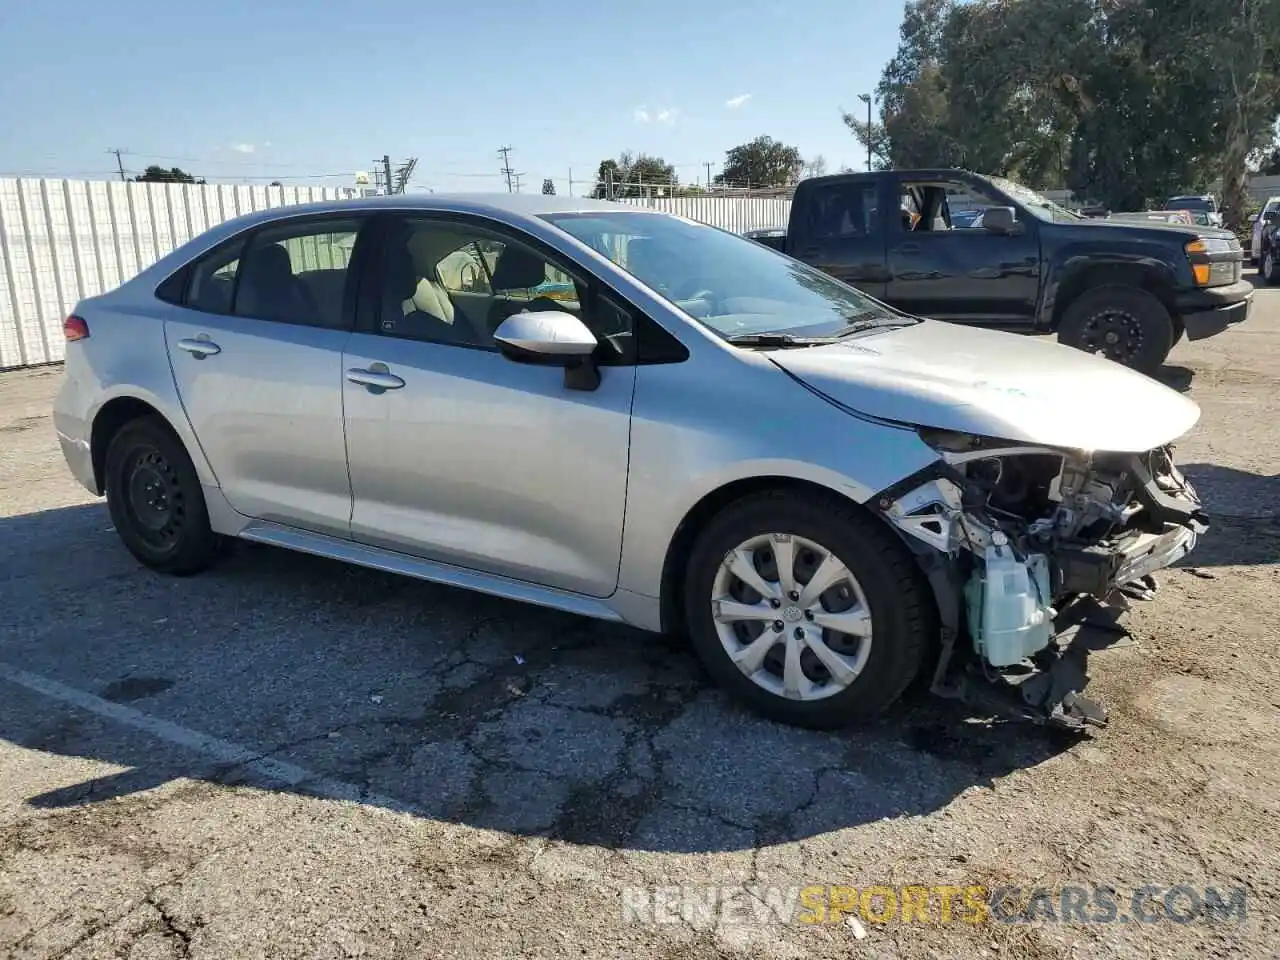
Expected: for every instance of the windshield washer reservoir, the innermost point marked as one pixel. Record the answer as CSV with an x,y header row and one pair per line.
x,y
1007,603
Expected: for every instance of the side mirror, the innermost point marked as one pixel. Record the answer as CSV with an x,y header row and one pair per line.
x,y
1253,218
1000,220
551,338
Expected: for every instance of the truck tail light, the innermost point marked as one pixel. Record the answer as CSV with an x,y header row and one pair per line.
x,y
75,328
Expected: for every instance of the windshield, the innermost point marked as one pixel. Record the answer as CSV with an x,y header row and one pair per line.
x,y
1037,205
1190,203
733,285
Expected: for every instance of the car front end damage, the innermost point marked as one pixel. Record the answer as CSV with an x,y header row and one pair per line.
x,y
1022,544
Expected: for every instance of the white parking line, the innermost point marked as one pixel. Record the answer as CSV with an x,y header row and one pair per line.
x,y
224,751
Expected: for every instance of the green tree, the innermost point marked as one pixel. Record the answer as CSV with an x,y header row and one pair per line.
x,y
634,175
548,186
158,174
762,162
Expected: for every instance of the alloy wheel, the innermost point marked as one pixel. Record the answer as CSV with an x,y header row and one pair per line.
x,y
791,616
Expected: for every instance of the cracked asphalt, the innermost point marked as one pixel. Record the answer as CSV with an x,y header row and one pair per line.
x,y
286,757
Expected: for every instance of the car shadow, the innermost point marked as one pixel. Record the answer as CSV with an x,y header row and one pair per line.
x,y
293,673
1176,376
1244,516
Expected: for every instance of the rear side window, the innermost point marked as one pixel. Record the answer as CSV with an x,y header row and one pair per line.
x,y
213,279
843,211
296,273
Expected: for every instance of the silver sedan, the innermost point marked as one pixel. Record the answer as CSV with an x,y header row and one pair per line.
x,y
630,416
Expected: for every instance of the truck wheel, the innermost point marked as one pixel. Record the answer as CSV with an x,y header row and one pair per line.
x,y
1269,268
1124,324
805,610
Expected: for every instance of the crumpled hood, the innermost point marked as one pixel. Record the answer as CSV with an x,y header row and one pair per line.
x,y
1005,385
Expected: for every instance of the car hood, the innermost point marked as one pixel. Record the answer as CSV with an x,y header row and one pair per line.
x,y
1004,385
1154,229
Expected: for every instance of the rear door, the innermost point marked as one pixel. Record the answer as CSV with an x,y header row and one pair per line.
x,y
840,230
256,350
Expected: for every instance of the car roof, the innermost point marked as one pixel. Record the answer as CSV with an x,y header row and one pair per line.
x,y
520,204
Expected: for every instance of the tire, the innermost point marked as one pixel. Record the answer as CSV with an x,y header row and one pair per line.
x,y
1140,322
883,581
147,462
1269,267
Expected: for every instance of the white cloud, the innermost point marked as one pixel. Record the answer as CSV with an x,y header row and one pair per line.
x,y
242,147
733,103
665,115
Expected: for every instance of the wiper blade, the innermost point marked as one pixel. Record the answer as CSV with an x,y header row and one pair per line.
x,y
776,340
869,320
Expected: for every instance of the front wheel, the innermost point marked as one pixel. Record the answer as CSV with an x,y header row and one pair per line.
x,y
1124,324
155,500
805,610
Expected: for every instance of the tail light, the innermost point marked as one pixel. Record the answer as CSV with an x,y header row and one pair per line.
x,y
75,328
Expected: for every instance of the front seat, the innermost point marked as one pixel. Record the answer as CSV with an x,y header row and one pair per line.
x,y
267,287
517,269
401,314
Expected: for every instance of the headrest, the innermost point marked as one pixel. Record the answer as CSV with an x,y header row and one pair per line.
x,y
518,269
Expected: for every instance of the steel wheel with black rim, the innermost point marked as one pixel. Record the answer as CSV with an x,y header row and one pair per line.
x,y
155,499
806,609
1124,324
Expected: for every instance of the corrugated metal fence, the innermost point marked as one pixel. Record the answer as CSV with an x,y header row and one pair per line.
x,y
63,240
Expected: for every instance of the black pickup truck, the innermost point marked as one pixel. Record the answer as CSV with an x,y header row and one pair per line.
x,y
1126,290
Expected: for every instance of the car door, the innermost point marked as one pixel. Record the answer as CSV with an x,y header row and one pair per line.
x,y
970,275
460,455
256,351
842,233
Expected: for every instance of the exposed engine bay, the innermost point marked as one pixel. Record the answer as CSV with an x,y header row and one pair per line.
x,y
1017,540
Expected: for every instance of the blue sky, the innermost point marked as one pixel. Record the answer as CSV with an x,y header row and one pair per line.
x,y
292,90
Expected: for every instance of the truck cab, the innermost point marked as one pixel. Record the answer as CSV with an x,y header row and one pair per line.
x,y
1125,290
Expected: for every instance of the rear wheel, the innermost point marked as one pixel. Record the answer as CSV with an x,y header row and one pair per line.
x,y
1124,324
1269,268
155,499
805,610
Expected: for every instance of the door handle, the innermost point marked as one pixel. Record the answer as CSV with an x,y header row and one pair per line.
x,y
378,379
200,347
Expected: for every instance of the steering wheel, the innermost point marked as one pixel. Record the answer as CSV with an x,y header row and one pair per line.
x,y
695,288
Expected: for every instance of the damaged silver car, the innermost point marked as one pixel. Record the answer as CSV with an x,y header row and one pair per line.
x,y
635,417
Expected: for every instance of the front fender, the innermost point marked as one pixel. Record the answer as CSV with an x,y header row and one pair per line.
x,y
695,435
1077,267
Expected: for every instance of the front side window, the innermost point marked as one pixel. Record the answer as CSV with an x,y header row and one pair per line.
x,y
730,284
451,282
296,273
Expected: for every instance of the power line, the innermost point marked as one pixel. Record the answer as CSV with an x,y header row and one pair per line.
x,y
505,153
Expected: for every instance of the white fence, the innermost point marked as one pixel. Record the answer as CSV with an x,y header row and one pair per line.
x,y
728,213
63,240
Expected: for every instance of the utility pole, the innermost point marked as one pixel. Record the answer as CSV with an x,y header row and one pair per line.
x,y
386,174
119,163
866,98
708,166
571,181
505,154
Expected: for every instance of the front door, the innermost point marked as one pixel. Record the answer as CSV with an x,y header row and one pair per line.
x,y
462,456
256,351
965,274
